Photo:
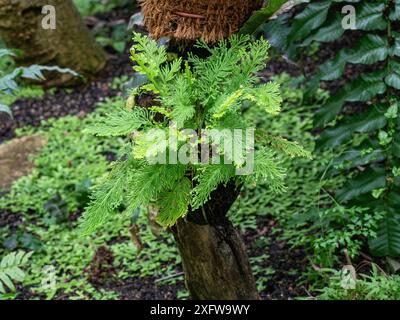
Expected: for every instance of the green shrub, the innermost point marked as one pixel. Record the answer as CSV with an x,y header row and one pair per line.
x,y
368,287
370,141
327,232
196,97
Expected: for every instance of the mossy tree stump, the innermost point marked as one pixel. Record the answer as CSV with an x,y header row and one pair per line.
x,y
69,45
214,257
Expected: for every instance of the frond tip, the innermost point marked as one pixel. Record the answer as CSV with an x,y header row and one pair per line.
x,y
120,122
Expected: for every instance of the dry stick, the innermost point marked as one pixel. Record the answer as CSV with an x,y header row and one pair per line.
x,y
189,15
348,260
176,275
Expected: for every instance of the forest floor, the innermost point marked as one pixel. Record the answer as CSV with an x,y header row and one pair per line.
x,y
279,268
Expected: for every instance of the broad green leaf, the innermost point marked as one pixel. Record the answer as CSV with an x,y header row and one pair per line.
x,y
387,242
6,281
370,16
369,121
365,182
334,68
16,273
396,146
395,14
371,49
368,153
2,289
261,16
312,17
395,50
330,110
277,31
363,89
331,31
393,80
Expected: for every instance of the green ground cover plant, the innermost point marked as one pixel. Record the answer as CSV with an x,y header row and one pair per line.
x,y
56,240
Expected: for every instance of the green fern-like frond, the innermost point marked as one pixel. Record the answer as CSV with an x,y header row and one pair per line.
x,y
150,144
180,99
150,181
229,120
174,204
267,169
107,197
214,73
253,60
167,74
267,97
210,94
208,179
148,56
120,122
289,148
10,270
227,103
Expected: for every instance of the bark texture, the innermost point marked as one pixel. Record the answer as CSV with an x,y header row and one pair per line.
x,y
213,254
189,20
70,45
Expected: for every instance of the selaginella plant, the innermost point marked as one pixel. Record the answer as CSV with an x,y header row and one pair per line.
x,y
190,97
371,137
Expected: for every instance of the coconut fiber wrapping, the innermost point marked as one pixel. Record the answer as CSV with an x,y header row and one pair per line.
x,y
210,20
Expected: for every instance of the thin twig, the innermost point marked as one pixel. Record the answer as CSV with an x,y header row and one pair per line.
x,y
189,15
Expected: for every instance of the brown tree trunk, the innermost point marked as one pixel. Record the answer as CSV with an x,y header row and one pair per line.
x,y
214,257
70,45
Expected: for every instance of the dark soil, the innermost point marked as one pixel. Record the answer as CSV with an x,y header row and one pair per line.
x,y
288,264
145,289
10,220
80,101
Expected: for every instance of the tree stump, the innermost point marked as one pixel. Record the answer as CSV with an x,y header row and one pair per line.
x,y
214,257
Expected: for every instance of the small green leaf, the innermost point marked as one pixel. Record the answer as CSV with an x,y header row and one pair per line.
x,y
393,80
392,112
